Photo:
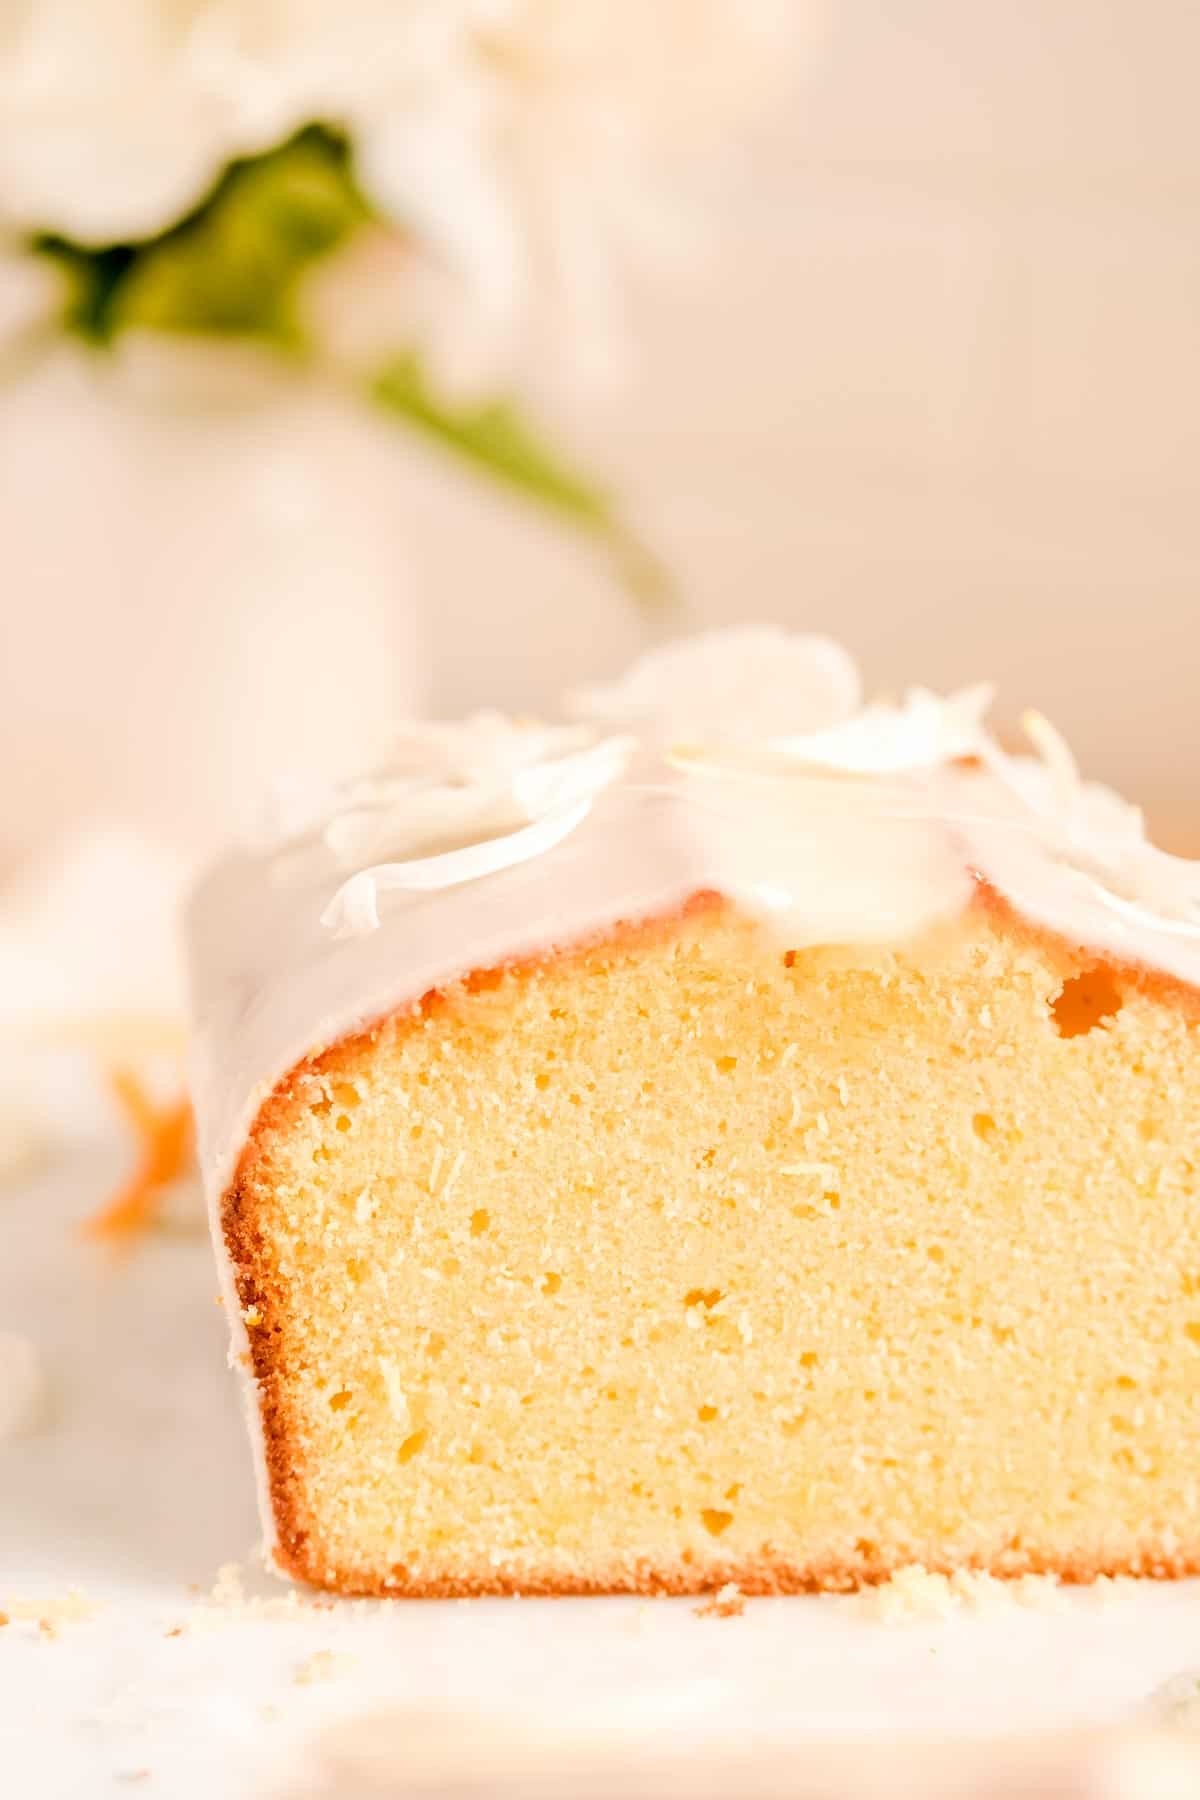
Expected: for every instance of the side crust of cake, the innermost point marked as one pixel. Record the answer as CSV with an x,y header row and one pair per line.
x,y
769,1141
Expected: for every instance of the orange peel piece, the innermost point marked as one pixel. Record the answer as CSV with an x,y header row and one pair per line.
x,y
164,1136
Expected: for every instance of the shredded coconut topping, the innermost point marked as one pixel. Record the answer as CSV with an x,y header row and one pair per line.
x,y
455,803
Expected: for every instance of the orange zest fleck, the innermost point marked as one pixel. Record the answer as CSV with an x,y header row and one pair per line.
x,y
163,1135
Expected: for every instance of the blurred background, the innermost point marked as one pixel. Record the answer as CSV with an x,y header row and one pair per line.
x,y
360,357
906,352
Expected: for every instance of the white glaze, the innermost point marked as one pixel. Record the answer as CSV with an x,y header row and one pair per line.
x,y
489,841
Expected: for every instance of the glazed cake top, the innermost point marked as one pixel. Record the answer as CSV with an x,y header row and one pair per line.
x,y
744,762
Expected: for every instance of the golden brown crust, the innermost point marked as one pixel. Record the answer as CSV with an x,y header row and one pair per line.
x,y
754,1579
262,1302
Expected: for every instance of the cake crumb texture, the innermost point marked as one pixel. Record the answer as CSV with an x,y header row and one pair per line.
x,y
686,1259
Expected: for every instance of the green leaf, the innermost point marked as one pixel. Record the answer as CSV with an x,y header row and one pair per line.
x,y
496,440
234,265
92,279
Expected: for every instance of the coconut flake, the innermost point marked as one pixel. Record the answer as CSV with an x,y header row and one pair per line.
x,y
354,909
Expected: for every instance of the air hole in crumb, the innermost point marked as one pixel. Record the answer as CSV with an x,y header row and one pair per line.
x,y
794,1426
789,958
551,1282
726,1064
412,1444
984,1126
935,1253
611,1394
1192,1330
346,1094
706,1297
706,1414
451,1267
435,1345
715,1520
733,1490
867,1548
1085,1001
480,1220
340,1401
809,1359
342,1122
356,1270
541,1081
1126,1382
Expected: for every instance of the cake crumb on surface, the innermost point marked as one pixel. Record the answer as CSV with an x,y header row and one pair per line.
x,y
71,1608
227,1601
1177,1702
727,1603
1107,1588
915,1593
322,1665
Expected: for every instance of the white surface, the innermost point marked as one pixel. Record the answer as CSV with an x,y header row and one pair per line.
x,y
137,1484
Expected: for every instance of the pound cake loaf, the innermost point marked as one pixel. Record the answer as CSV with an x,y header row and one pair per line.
x,y
741,1134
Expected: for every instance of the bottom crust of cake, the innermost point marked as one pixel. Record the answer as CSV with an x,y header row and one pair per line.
x,y
682,1259
762,1578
